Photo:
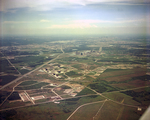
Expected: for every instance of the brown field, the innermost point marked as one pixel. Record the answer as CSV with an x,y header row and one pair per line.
x,y
142,89
123,85
124,77
139,83
114,111
117,96
86,112
132,84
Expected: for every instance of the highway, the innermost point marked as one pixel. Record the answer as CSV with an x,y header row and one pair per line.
x,y
17,79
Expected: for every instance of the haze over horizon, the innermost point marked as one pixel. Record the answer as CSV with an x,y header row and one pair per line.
x,y
37,17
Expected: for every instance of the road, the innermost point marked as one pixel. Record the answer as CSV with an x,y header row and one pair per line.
x,y
62,50
44,102
99,109
28,73
10,63
82,106
9,94
117,101
56,93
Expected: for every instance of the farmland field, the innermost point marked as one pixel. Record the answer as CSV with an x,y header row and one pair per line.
x,y
81,114
36,86
115,111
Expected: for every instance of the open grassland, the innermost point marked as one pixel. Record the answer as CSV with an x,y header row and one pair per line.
x,y
35,86
78,66
3,95
9,104
73,74
31,61
131,84
142,96
88,78
27,83
6,79
114,111
122,75
6,67
85,91
49,111
119,97
102,87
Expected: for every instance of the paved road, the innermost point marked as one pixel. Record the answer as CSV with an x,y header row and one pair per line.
x,y
28,73
56,93
9,94
117,101
44,102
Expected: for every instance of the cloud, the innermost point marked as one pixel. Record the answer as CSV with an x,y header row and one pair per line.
x,y
15,22
44,5
73,26
93,23
21,22
44,20
107,21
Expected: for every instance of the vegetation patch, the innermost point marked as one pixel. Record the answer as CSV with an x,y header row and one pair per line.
x,y
14,96
3,95
85,91
87,112
36,86
102,87
114,111
78,66
27,83
24,71
73,74
6,67
6,79
65,87
88,78
112,70
31,61
142,97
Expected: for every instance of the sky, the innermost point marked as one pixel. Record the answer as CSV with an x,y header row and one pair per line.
x,y
72,17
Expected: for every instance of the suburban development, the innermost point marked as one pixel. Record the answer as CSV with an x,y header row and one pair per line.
x,y
83,78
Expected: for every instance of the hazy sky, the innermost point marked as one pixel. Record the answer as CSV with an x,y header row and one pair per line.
x,y
46,17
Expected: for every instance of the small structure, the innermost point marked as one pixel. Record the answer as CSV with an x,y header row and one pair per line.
x,y
139,109
73,94
68,90
37,97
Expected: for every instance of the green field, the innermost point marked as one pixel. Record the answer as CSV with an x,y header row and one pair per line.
x,y
6,67
36,86
86,112
6,79
85,91
31,61
49,111
3,95
113,111
102,87
73,74
119,97
78,66
27,83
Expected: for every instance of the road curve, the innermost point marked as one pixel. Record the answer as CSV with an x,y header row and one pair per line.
x,y
82,106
